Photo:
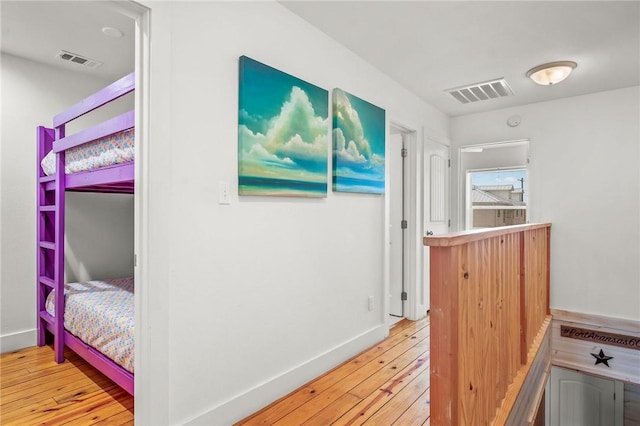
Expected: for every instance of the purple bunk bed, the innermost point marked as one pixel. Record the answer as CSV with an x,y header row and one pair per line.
x,y
102,162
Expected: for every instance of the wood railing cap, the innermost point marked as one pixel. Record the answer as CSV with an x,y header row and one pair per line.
x,y
458,238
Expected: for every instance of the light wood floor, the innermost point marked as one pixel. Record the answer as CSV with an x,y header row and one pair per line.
x,y
36,390
385,385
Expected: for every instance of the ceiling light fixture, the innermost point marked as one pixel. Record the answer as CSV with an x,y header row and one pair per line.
x,y
551,73
112,32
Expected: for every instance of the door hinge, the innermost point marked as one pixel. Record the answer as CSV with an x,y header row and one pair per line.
x,y
449,162
614,394
403,223
403,152
448,223
403,295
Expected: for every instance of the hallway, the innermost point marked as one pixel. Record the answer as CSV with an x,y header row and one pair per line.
x,y
385,385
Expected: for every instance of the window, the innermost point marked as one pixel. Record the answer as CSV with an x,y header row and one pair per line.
x,y
496,197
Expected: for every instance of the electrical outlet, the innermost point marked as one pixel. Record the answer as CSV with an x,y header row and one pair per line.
x,y
371,303
224,197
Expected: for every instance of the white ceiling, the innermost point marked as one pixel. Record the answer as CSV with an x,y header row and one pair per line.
x,y
427,46
38,30
430,46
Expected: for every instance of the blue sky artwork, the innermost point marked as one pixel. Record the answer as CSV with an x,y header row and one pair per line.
x,y
283,136
358,144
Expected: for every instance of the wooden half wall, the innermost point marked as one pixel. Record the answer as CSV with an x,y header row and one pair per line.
x,y
489,324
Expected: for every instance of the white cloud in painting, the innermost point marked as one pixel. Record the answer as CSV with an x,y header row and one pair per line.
x,y
355,146
253,121
259,154
295,140
347,153
351,147
377,160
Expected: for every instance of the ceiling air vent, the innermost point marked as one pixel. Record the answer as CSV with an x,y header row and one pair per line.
x,y
481,91
78,59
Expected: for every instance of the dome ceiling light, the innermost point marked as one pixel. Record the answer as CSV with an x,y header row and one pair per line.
x,y
551,73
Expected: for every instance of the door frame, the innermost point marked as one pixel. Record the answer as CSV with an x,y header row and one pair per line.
x,y
413,234
142,67
415,142
461,175
395,152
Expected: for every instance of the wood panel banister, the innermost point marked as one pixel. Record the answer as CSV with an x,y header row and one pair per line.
x,y
489,301
458,238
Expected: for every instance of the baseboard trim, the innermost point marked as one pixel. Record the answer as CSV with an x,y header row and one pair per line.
x,y
240,406
15,341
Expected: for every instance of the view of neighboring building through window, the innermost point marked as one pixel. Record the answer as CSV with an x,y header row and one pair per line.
x,y
498,197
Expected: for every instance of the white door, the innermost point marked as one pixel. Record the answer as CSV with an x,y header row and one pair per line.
x,y
578,399
436,201
396,188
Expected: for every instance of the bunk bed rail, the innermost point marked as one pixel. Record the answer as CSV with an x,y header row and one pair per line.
x,y
122,122
110,93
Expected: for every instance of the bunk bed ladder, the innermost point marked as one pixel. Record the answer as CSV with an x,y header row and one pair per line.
x,y
50,241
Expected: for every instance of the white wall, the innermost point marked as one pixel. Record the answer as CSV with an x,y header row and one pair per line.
x,y
496,157
252,299
99,236
583,179
31,94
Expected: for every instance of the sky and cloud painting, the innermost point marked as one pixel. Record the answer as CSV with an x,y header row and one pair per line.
x,y
282,133
358,144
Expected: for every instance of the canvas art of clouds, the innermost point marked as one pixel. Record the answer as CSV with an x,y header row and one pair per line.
x,y
358,144
282,133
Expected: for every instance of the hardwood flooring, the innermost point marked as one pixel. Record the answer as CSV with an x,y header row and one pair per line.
x,y
386,385
36,390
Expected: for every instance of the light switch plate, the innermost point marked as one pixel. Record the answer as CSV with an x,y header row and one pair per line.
x,y
224,196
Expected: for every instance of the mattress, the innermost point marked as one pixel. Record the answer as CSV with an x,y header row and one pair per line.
x,y
101,314
114,149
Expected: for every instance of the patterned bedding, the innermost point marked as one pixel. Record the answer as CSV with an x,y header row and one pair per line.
x,y
101,313
114,149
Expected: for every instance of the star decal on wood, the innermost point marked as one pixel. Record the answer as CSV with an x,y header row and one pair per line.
x,y
601,358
